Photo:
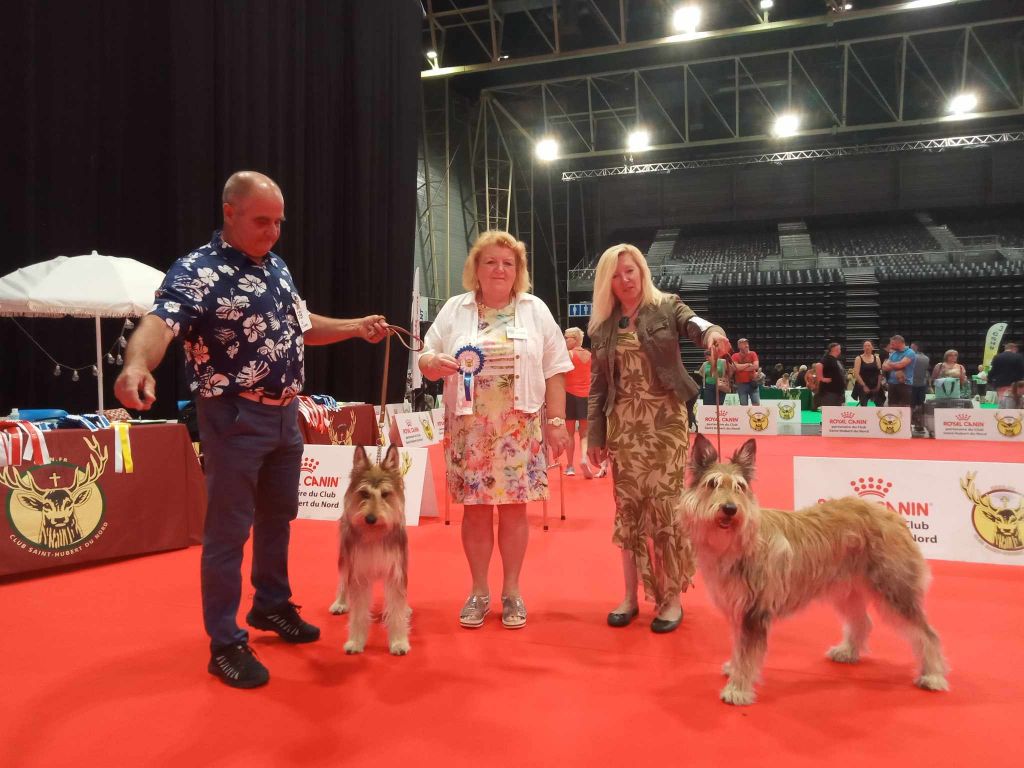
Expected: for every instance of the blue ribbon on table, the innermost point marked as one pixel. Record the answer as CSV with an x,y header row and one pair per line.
x,y
471,361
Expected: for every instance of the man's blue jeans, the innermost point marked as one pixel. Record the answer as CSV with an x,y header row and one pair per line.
x,y
252,454
749,390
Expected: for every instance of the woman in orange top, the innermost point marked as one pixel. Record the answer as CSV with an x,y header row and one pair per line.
x,y
577,390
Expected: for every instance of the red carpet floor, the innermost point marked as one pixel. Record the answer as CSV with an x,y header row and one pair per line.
x,y
105,665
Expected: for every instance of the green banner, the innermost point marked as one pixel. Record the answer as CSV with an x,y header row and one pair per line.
x,y
992,339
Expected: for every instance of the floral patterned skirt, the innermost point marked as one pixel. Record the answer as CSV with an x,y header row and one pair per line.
x,y
495,455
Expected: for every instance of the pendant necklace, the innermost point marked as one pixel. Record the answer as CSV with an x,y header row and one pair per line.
x,y
624,320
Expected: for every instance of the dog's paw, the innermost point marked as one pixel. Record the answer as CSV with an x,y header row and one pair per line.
x,y
400,647
727,668
932,682
843,654
740,697
338,607
353,647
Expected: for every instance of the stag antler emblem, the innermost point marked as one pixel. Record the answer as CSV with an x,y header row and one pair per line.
x,y
997,510
59,526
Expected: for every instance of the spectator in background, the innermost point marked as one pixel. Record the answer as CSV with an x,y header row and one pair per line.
x,y
950,368
899,368
1006,376
832,389
801,377
709,395
746,366
867,370
922,372
577,392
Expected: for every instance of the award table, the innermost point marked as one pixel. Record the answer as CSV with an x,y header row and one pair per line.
x,y
84,505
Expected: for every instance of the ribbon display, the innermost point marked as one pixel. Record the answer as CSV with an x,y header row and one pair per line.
x,y
471,361
122,449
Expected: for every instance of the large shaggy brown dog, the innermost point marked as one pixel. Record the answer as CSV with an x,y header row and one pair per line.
x,y
763,564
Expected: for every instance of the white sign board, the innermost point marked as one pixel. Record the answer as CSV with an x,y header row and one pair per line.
x,y
950,517
844,421
788,415
325,474
415,429
438,417
739,419
1003,425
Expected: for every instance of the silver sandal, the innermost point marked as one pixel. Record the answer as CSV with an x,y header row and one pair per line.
x,y
513,612
473,612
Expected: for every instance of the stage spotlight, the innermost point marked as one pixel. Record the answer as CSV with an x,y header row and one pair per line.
x,y
786,124
546,149
767,5
963,104
432,55
848,7
686,19
638,141
927,3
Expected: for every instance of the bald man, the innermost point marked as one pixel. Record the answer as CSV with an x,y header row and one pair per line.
x,y
243,327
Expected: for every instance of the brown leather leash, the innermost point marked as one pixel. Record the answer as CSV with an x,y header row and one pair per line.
x,y
718,399
393,330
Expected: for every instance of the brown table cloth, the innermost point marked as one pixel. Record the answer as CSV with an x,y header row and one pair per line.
x,y
76,508
352,425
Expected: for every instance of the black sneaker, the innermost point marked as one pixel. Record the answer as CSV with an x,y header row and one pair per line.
x,y
238,667
284,620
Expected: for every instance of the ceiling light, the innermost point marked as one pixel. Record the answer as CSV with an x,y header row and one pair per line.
x,y
786,124
927,3
432,55
767,5
686,18
546,149
963,103
848,7
638,140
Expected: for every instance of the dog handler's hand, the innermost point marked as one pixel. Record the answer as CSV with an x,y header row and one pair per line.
x,y
136,388
719,343
596,455
440,365
557,439
373,328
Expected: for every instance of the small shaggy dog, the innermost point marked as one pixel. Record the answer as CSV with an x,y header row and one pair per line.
x,y
763,564
374,546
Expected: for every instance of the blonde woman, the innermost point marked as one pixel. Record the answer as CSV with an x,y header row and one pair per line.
x,y
504,359
637,415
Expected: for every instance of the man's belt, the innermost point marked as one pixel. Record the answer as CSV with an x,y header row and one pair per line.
x,y
266,399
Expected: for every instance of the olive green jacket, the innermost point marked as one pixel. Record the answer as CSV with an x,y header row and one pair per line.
x,y
659,329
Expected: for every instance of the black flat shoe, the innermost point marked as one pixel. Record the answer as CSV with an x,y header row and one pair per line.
x,y
663,626
622,619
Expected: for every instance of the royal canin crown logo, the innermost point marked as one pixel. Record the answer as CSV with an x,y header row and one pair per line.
x,y
309,464
848,414
871,486
963,417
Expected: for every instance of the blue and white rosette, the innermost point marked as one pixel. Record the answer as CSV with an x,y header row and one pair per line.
x,y
471,361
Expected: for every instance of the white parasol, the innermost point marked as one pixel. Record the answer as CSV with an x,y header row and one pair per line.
x,y
93,286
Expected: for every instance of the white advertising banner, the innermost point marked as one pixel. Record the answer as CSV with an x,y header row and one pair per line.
x,y
415,429
967,511
1003,425
325,474
438,417
844,421
739,419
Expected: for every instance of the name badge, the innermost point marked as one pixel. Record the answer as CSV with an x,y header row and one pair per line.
x,y
512,332
302,315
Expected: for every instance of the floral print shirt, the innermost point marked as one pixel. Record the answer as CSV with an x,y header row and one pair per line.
x,y
237,321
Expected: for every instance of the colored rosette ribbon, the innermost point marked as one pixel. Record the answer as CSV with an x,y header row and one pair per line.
x,y
471,361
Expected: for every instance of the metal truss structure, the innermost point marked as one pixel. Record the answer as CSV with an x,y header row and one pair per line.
x,y
828,153
879,83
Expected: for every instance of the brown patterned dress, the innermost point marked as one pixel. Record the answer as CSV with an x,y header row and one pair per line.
x,y
648,438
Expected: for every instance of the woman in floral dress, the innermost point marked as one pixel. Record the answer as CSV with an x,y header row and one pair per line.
x,y
637,415
504,359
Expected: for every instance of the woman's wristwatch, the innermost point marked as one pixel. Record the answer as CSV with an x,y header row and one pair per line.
x,y
556,421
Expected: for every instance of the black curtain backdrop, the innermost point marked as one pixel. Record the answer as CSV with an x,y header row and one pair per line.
x,y
126,119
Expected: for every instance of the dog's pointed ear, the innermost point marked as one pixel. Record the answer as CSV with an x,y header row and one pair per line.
x,y
391,459
744,459
360,460
703,456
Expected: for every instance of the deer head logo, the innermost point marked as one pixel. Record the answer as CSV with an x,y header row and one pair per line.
x,y
342,435
58,517
997,514
890,423
1008,424
758,419
787,411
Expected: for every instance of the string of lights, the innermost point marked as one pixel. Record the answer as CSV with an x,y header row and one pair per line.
x,y
119,344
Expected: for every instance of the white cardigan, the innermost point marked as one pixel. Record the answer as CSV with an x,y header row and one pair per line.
x,y
538,357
